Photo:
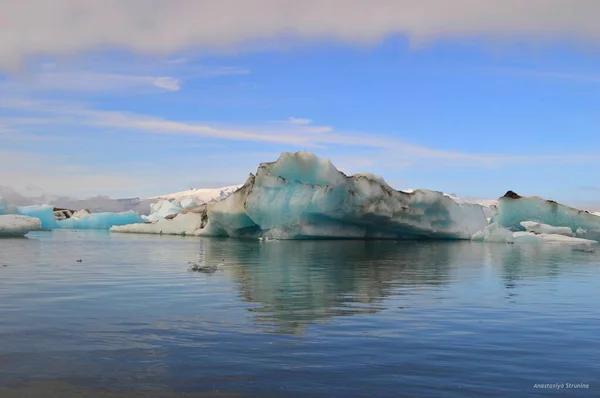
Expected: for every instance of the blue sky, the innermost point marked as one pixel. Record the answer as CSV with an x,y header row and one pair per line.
x,y
474,115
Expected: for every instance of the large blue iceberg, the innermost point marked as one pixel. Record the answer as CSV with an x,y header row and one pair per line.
x,y
301,196
86,221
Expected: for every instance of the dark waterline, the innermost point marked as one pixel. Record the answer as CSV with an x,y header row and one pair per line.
x,y
294,319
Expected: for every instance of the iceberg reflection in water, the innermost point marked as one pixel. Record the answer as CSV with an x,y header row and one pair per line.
x,y
307,318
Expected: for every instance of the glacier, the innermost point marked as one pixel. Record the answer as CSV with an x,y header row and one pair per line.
x,y
199,195
17,225
301,196
86,220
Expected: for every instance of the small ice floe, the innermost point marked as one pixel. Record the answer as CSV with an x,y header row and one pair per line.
x,y
584,249
206,268
267,239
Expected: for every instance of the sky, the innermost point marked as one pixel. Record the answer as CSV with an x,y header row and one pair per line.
x,y
139,98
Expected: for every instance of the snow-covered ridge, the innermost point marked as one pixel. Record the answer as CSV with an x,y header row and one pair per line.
x,y
200,195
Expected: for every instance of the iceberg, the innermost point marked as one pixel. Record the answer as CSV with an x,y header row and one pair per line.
x,y
520,219
497,234
301,196
162,209
513,209
80,220
539,228
189,223
16,225
174,203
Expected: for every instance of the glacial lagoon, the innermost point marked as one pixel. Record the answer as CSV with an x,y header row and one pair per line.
x,y
112,315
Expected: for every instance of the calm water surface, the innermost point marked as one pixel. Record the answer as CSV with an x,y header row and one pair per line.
x,y
294,319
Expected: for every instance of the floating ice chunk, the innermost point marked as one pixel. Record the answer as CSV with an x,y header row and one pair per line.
x,y
181,224
16,225
554,238
93,221
302,196
496,233
44,212
493,233
539,228
513,209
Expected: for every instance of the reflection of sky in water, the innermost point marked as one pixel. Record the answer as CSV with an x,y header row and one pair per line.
x,y
349,315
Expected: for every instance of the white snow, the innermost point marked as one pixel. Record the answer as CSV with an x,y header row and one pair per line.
x,y
200,195
176,202
16,225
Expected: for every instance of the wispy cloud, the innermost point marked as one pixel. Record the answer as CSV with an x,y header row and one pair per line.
x,y
172,26
180,60
55,173
110,77
100,82
296,135
579,76
590,188
301,121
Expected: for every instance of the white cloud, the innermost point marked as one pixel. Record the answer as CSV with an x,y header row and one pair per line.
x,y
41,27
319,129
168,83
105,76
54,174
298,136
89,82
221,71
576,76
296,120
180,60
